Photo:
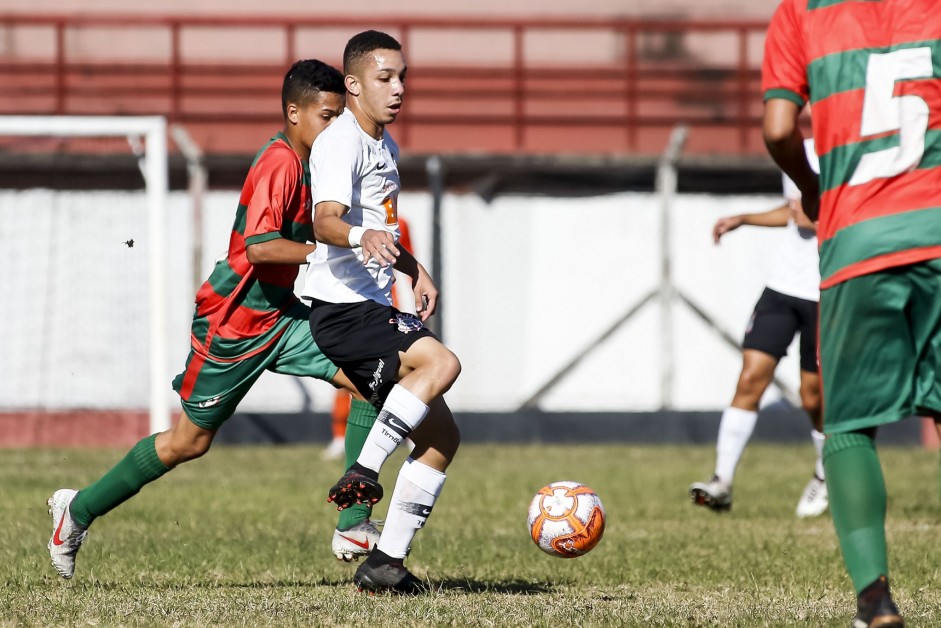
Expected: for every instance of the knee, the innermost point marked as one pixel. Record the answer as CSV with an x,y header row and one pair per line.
x,y
185,450
752,382
446,367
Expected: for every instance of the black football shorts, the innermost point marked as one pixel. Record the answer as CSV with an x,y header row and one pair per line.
x,y
364,339
775,321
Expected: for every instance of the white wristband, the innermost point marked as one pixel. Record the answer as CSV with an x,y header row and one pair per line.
x,y
356,236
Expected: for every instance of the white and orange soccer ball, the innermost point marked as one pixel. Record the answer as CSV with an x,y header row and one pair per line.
x,y
566,519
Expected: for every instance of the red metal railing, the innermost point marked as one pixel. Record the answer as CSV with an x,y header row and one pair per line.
x,y
588,86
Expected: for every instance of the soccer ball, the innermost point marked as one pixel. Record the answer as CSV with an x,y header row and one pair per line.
x,y
566,519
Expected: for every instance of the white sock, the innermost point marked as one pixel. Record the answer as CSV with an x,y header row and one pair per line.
x,y
416,491
401,413
735,429
819,440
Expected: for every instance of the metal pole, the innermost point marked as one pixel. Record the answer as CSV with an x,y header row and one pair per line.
x,y
666,187
435,169
198,177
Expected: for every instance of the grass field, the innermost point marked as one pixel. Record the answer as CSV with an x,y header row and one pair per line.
x,y
241,538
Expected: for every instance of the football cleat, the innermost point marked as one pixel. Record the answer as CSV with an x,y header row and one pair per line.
x,y
336,450
875,608
354,488
814,501
387,575
350,545
714,494
67,536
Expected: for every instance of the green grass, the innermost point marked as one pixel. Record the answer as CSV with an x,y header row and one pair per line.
x,y
241,537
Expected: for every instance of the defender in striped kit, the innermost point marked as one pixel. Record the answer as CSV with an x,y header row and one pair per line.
x,y
870,72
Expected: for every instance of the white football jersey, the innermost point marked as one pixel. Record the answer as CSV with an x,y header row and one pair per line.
x,y
796,269
350,167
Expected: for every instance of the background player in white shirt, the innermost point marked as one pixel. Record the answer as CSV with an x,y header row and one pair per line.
x,y
395,362
788,306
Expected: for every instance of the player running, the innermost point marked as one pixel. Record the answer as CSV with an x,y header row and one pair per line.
x,y
247,321
393,359
870,70
787,307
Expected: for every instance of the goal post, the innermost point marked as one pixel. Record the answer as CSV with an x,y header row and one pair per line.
x,y
155,171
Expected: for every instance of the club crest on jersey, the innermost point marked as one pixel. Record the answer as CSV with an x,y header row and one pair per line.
x,y
407,322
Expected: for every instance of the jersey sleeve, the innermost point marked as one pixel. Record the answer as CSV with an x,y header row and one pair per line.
x,y
334,166
784,69
277,180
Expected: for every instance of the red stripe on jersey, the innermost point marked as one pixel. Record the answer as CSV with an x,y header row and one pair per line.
x,y
882,262
192,372
880,197
855,25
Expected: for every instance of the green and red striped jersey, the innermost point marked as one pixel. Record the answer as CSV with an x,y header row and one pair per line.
x,y
240,308
870,71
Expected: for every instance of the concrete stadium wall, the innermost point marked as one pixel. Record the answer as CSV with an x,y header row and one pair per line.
x,y
528,283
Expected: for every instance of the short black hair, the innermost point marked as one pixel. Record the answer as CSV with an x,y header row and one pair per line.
x,y
363,43
306,79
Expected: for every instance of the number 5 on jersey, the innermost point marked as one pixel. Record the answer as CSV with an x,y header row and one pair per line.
x,y
884,112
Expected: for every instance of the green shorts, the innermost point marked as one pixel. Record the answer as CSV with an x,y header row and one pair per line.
x,y
211,388
880,347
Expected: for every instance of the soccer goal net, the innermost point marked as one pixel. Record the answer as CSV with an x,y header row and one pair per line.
x,y
84,307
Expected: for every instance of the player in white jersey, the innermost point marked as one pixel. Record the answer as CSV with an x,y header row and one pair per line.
x,y
391,357
787,306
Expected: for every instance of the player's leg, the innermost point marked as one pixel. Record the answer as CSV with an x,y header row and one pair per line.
x,y
865,322
298,354
211,391
336,448
419,483
770,330
814,500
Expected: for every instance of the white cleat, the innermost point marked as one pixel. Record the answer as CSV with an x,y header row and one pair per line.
x,y
67,536
814,501
336,450
714,494
350,545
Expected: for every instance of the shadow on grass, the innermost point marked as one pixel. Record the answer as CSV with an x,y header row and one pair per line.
x,y
506,587
511,587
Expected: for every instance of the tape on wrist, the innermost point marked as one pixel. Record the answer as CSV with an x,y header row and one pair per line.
x,y
356,236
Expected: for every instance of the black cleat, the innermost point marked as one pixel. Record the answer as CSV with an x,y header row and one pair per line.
x,y
355,488
387,576
875,608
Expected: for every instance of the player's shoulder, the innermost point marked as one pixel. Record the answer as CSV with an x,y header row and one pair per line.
x,y
344,130
277,155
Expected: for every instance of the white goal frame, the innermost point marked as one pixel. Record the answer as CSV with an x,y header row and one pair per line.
x,y
155,170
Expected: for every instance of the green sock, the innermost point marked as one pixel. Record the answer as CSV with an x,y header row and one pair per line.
x,y
857,502
139,467
362,416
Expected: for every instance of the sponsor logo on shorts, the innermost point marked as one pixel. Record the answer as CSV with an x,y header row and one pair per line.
x,y
751,323
407,322
377,377
209,402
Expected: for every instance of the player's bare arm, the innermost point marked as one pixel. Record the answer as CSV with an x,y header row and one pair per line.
x,y
423,287
785,144
776,217
279,251
330,228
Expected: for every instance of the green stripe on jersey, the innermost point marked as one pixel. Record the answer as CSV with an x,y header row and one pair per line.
x,y
838,166
820,4
223,278
846,71
879,236
786,94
